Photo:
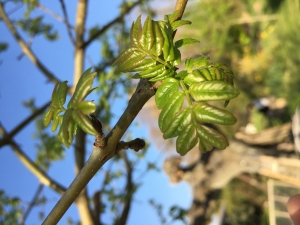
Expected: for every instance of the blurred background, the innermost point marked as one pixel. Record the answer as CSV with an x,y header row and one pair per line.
x,y
43,42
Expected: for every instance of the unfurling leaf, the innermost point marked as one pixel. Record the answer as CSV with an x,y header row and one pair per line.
x,y
83,88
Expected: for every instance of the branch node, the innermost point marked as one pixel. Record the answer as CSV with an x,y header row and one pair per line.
x,y
136,144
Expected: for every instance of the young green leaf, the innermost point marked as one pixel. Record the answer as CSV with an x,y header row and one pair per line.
x,y
147,38
186,140
186,41
180,122
83,122
169,110
212,136
136,31
193,78
179,23
209,114
164,75
65,134
82,88
159,39
86,107
165,91
48,117
213,91
173,17
59,94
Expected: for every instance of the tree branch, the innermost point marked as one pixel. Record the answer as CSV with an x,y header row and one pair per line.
x,y
144,91
31,205
107,26
66,20
129,190
25,47
39,173
55,16
8,137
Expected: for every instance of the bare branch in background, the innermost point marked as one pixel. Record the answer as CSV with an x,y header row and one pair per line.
x,y
25,47
107,26
54,15
38,172
32,204
7,137
66,21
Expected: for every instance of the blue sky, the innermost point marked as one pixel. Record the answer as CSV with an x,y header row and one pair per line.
x,y
20,81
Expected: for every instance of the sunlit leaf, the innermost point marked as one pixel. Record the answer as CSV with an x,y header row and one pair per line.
x,y
185,41
147,38
179,23
180,122
186,140
86,107
59,94
169,110
82,88
212,136
213,91
211,114
165,91
83,122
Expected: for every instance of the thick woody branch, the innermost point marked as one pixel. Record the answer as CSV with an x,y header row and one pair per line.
x,y
107,26
27,51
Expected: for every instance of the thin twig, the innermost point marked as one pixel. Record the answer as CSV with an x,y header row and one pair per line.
x,y
32,204
54,15
66,21
129,191
8,136
25,47
36,170
108,25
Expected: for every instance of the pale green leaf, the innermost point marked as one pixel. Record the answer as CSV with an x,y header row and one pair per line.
x,y
210,114
213,91
173,105
165,91
59,94
83,122
166,74
186,140
212,136
185,41
179,23
147,38
180,122
83,88
86,107
193,78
